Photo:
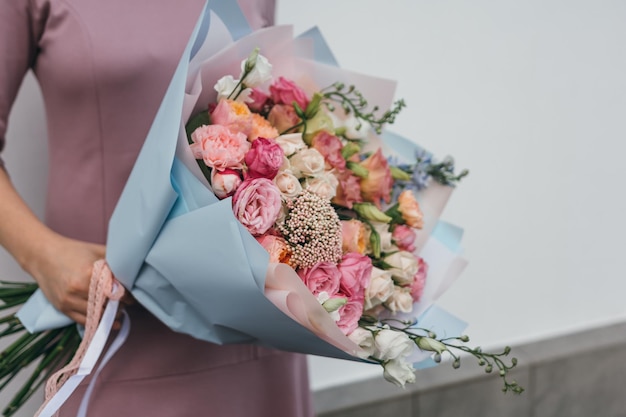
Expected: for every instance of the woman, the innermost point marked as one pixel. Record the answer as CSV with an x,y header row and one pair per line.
x,y
103,67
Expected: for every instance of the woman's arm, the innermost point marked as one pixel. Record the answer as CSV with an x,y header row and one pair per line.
x,y
61,266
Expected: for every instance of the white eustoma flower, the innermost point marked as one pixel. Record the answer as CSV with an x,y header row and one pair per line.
x,y
392,344
399,372
400,300
365,339
354,128
385,236
403,266
379,288
261,71
225,87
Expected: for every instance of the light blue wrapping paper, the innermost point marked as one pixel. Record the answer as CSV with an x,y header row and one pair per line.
x,y
182,253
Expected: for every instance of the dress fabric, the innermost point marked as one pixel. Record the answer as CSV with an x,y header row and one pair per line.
x,y
103,67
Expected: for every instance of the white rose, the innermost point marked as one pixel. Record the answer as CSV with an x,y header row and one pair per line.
x,y
379,289
365,339
290,143
401,300
399,372
261,72
324,185
392,344
385,236
403,266
307,163
288,184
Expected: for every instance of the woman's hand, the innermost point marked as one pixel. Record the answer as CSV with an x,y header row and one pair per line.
x,y
63,271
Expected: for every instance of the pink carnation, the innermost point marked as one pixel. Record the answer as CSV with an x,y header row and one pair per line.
x,y
322,277
284,91
356,270
257,204
348,190
264,159
219,147
419,280
330,147
404,237
258,100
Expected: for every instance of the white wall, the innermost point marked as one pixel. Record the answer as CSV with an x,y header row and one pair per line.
x,y
530,96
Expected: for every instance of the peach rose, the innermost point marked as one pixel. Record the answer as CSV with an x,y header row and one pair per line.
x,y
377,185
410,209
260,128
277,247
355,236
283,117
232,114
219,147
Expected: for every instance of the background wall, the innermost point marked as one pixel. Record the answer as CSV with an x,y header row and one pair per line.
x,y
530,96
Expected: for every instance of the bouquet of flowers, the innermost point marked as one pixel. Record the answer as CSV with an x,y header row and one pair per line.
x,y
306,184
330,240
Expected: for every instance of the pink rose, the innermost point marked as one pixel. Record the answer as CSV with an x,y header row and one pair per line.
x,y
349,315
283,117
225,183
404,237
264,159
277,247
284,91
322,277
419,280
219,147
232,114
356,271
377,185
257,204
355,236
348,190
258,100
330,147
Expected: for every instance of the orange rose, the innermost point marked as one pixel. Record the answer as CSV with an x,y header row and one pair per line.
x,y
277,247
410,209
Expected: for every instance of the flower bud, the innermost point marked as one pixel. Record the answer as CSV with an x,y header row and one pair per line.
x,y
431,345
357,169
398,174
349,149
333,304
313,107
369,211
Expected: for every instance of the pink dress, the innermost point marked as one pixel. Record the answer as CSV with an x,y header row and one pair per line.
x,y
103,67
